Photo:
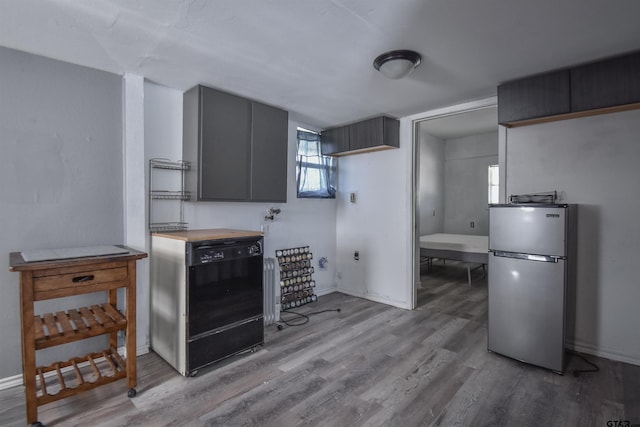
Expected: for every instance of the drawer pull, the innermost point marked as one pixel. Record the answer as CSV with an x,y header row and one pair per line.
x,y
83,278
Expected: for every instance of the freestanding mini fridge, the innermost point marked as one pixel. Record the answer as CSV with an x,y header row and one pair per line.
x,y
531,277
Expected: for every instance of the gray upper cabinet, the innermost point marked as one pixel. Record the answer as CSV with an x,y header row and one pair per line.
x,y
597,87
379,133
533,97
335,141
269,154
608,83
238,147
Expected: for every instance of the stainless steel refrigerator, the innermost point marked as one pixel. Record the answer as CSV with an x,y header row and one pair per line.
x,y
531,281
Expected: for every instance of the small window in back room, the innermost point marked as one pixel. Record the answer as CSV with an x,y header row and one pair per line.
x,y
315,173
494,187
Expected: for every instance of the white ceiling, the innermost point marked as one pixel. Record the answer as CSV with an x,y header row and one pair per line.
x,y
314,57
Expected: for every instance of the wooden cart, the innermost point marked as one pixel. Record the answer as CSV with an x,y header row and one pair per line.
x,y
42,280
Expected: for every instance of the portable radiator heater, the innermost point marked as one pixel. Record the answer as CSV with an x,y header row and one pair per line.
x,y
271,290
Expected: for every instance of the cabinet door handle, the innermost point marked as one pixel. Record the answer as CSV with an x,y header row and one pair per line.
x,y
83,278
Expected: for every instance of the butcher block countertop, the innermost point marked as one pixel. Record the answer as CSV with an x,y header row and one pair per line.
x,y
208,234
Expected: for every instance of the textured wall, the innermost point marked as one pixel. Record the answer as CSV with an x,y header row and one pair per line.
x,y
592,161
431,183
61,142
467,161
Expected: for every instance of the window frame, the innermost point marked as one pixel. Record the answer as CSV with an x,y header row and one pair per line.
x,y
325,164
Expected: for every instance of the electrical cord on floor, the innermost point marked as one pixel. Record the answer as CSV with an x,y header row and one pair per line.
x,y
577,372
300,319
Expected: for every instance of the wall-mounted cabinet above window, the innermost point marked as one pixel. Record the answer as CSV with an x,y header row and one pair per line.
x,y
379,133
237,147
599,87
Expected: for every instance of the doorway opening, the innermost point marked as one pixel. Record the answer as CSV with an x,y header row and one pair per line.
x,y
453,150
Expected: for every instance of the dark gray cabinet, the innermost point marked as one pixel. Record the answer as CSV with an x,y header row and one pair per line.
x,y
602,86
335,140
379,133
238,147
269,153
533,97
607,83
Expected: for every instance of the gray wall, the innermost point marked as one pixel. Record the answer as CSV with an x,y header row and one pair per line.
x,y
431,179
592,161
61,136
453,182
467,161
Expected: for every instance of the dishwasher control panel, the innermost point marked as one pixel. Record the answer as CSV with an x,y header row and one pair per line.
x,y
199,253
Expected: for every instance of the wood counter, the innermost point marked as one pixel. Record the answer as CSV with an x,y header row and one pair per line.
x,y
208,234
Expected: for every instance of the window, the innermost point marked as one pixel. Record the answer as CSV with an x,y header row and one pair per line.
x,y
494,187
315,175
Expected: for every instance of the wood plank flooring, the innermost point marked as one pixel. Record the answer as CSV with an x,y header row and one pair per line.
x,y
368,365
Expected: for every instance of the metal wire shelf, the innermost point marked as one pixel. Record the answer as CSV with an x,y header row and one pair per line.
x,y
167,226
178,195
159,163
170,195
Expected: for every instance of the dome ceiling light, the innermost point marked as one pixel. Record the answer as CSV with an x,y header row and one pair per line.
x,y
397,63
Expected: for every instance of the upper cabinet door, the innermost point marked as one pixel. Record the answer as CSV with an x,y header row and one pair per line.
x,y
534,97
365,134
607,83
237,147
269,153
225,140
379,133
335,140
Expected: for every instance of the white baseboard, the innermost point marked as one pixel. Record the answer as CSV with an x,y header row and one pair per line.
x,y
16,380
376,298
586,348
325,291
10,382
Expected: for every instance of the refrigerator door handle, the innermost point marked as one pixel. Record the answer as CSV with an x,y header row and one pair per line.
x,y
528,257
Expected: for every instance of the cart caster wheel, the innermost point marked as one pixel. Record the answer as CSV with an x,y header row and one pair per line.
x,y
132,392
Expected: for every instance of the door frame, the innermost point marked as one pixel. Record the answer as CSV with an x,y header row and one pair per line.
x,y
409,126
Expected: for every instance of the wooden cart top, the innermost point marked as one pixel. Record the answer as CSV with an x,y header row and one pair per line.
x,y
18,263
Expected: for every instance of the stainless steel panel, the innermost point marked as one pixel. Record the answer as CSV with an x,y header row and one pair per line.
x,y
525,229
526,310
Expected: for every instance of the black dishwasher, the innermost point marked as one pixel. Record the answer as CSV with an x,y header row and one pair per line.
x,y
224,299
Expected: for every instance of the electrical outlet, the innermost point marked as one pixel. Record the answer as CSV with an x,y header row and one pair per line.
x,y
472,224
356,255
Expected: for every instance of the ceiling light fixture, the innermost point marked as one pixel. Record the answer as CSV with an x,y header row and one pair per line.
x,y
397,63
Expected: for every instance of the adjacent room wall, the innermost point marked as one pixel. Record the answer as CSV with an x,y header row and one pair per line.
x,y
467,161
62,183
453,182
592,161
432,183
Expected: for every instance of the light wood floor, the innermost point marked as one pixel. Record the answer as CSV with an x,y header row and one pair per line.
x,y
369,365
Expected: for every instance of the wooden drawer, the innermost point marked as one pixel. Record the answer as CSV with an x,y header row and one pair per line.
x,y
60,285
